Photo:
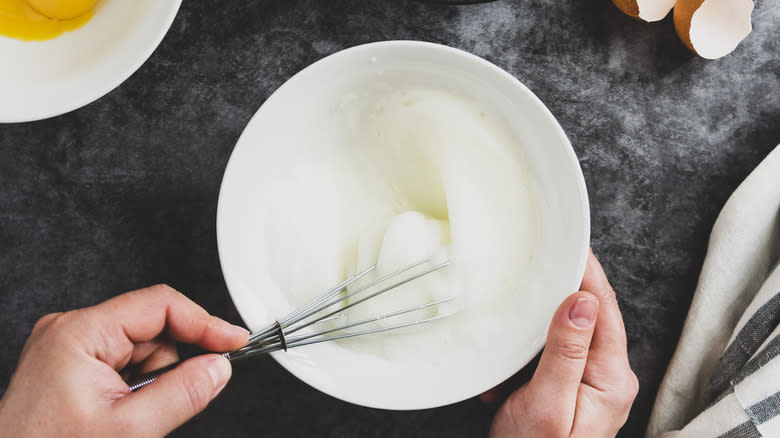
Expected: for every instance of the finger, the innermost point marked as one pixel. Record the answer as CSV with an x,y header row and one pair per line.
x,y
611,338
491,395
142,315
149,356
143,350
608,367
164,355
175,397
556,381
44,322
146,312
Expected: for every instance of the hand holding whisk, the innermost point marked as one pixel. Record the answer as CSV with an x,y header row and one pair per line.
x,y
327,307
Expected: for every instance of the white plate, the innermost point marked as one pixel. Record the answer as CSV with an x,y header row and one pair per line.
x,y
307,99
42,79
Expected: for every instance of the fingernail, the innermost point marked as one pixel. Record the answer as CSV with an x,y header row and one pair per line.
x,y
233,330
583,313
237,330
219,371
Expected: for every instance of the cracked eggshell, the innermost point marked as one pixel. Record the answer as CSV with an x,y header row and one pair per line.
x,y
712,28
646,10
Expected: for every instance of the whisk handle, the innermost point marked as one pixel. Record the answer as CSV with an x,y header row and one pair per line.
x,y
142,380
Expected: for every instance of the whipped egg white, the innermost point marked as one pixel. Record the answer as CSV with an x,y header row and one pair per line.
x,y
395,176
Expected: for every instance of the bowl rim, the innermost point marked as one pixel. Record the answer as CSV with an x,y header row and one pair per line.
x,y
415,45
108,85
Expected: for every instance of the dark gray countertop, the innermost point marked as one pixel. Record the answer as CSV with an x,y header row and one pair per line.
x,y
123,193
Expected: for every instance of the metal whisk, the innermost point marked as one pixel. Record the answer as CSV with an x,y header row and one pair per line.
x,y
277,335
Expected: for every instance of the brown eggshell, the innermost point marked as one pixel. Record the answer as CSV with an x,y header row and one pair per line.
x,y
645,10
629,7
683,14
713,28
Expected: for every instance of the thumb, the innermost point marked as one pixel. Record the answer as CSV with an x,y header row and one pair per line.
x,y
557,379
174,397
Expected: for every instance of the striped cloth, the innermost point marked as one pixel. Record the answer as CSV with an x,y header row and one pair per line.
x,y
724,378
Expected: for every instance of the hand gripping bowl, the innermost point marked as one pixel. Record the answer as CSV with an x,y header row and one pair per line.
x,y
295,111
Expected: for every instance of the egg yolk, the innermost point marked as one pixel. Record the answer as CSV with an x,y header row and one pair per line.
x,y
62,9
37,20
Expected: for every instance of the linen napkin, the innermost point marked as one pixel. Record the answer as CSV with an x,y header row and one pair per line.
x,y
724,377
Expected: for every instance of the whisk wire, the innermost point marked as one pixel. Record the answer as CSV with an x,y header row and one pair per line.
x,y
271,328
276,333
300,343
276,336
369,320
362,300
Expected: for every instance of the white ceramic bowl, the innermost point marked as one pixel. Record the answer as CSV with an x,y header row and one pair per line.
x,y
559,259
42,79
